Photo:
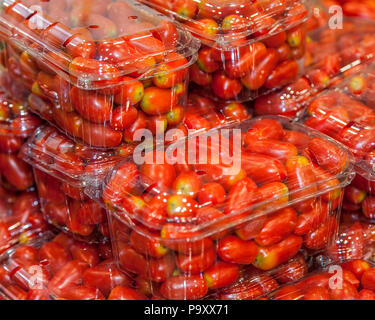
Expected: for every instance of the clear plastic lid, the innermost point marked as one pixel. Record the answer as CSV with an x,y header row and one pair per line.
x,y
346,113
52,152
15,119
251,168
94,43
226,21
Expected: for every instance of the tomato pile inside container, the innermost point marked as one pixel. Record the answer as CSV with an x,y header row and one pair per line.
x,y
16,124
253,283
211,219
61,268
59,167
249,47
331,56
352,280
99,70
347,114
356,238
203,113
21,220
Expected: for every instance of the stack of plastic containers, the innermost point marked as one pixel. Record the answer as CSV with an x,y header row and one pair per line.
x,y
331,56
210,220
20,217
347,114
232,211
248,47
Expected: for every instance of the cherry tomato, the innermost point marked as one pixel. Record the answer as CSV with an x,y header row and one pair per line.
x,y
184,287
277,227
221,274
197,263
272,256
234,250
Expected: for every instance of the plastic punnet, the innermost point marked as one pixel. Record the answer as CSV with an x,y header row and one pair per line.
x,y
281,193
98,70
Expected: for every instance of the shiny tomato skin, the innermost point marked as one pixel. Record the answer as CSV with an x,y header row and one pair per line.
x,y
277,227
85,252
184,288
221,274
105,278
54,256
211,193
17,172
224,87
234,250
70,274
195,264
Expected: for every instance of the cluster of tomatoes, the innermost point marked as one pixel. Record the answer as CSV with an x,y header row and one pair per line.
x,y
21,220
354,280
16,125
351,8
347,115
59,166
249,47
65,269
356,237
331,56
210,226
102,71
110,73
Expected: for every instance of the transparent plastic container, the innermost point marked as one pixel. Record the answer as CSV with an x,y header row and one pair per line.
x,y
59,167
249,47
351,280
332,55
356,239
16,124
347,114
98,70
209,219
61,268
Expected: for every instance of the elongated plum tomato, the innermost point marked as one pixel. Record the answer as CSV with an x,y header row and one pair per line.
x,y
184,287
157,176
234,250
